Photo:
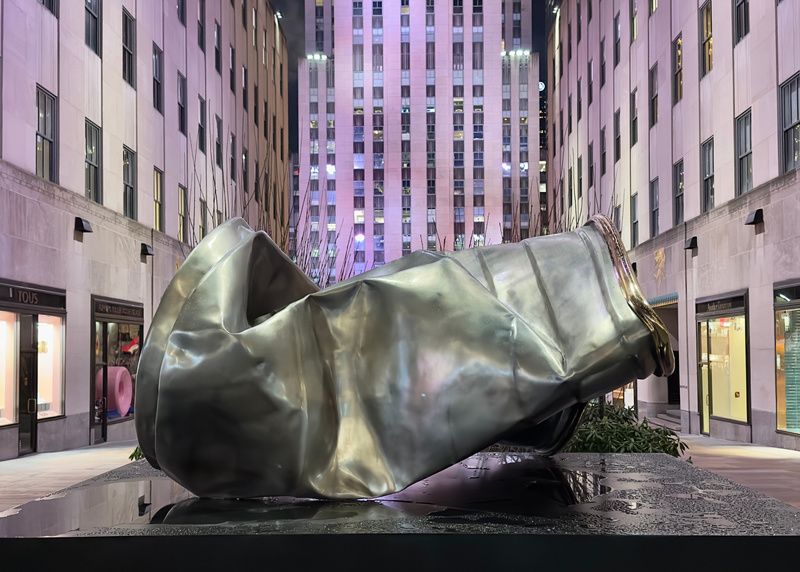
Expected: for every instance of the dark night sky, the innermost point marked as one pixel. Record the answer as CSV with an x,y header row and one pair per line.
x,y
292,11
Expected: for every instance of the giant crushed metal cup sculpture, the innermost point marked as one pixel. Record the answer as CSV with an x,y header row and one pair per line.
x,y
253,382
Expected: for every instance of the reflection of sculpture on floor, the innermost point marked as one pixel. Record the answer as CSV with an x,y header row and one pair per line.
x,y
252,382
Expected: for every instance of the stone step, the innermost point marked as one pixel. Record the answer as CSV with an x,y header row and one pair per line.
x,y
676,413
667,416
666,421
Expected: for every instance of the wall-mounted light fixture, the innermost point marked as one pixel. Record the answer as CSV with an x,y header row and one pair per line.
x,y
146,250
691,244
755,217
82,225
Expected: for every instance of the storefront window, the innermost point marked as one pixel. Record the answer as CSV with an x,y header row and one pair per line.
x,y
8,368
727,367
122,358
787,359
50,332
118,330
624,396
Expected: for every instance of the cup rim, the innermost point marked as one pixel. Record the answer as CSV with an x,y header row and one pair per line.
x,y
665,359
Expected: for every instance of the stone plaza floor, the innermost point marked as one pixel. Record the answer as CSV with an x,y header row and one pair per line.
x,y
772,471
34,476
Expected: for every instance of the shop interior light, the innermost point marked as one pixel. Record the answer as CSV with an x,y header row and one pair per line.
x,y
278,15
503,54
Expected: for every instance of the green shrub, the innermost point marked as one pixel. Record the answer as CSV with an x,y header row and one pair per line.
x,y
137,454
610,429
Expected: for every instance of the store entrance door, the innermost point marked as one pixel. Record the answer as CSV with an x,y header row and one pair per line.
x,y
100,385
28,390
118,331
704,378
723,375
674,383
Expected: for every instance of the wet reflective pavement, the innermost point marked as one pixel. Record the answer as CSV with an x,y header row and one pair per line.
x,y
497,492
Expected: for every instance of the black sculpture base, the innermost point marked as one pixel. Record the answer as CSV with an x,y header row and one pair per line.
x,y
506,508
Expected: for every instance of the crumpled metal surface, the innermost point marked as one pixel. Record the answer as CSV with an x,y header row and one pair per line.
x,y
252,382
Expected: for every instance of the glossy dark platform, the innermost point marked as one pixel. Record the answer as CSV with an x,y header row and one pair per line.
x,y
507,505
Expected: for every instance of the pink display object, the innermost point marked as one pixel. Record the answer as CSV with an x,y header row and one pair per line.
x,y
120,389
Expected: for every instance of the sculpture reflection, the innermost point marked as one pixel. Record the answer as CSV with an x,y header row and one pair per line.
x,y
485,485
254,383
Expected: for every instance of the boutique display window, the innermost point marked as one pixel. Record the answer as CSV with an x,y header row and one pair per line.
x,y
723,368
50,366
118,331
32,353
787,358
8,368
625,396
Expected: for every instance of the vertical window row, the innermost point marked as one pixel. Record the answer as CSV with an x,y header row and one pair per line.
x,y
706,40
707,172
654,207
94,147
653,92
183,218
741,19
790,103
158,200
744,154
128,49
677,193
201,124
181,103
47,120
201,25
677,69
93,25
129,199
158,77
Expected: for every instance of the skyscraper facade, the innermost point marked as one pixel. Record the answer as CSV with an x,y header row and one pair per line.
x,y
128,131
418,125
681,121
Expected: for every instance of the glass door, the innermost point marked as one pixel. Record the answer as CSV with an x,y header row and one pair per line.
x,y
722,364
116,360
704,377
28,404
99,385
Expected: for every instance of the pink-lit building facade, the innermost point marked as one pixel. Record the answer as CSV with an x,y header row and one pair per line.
x,y
418,129
681,121
128,131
